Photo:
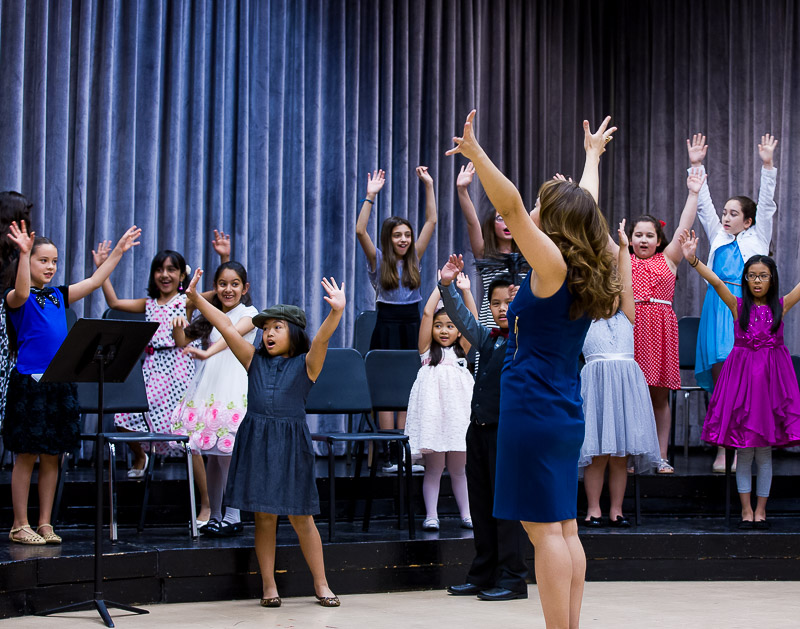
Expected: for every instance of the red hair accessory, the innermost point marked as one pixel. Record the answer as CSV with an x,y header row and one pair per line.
x,y
663,223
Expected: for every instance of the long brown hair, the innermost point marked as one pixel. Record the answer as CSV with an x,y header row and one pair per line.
x,y
491,248
390,279
570,216
13,207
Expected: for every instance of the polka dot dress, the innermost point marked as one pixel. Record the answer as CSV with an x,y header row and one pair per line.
x,y
167,372
656,331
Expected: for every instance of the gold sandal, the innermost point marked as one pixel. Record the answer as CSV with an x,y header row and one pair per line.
x,y
29,537
51,537
328,601
275,601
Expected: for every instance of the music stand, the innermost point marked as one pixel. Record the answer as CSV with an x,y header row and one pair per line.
x,y
99,350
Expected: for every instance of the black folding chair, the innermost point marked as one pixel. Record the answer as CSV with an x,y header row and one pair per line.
x,y
131,397
342,388
362,333
688,328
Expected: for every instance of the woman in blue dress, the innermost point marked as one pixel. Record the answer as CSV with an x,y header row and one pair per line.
x,y
572,282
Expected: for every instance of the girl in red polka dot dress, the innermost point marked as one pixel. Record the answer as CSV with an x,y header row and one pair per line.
x,y
655,262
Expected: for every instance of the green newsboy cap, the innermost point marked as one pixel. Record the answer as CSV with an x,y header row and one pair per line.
x,y
292,314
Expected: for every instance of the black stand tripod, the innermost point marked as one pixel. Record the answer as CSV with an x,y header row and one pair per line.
x,y
99,351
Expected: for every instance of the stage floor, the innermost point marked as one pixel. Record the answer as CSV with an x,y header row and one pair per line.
x,y
605,606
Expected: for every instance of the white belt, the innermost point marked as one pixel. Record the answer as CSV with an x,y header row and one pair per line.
x,y
594,357
653,300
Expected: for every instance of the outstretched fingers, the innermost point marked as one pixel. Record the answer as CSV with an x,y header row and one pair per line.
x,y
191,290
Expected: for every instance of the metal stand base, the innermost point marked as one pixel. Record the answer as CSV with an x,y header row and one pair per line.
x,y
97,603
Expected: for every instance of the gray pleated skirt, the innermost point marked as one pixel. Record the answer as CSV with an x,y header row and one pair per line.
x,y
272,467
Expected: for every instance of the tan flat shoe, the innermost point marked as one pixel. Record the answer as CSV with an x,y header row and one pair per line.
x,y
51,537
328,601
28,537
275,601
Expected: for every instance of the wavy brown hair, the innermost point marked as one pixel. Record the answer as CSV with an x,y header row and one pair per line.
x,y
572,220
389,277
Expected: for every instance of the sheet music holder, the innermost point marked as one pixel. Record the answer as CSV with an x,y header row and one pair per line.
x,y
99,350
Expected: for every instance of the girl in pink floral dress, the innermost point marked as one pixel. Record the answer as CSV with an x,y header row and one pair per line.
x,y
216,401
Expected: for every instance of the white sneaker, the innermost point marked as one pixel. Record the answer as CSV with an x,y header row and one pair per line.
x,y
390,469
417,469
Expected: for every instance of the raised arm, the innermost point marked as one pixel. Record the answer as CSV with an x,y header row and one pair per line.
x,y
697,150
18,295
222,245
468,210
688,244
243,326
465,320
315,358
595,145
694,182
426,324
464,284
126,305
627,303
375,182
425,234
766,193
242,349
82,289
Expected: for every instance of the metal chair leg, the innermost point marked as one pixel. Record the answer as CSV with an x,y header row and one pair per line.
x,y
637,499
686,397
192,505
409,486
373,469
62,472
673,396
112,485
148,474
729,454
331,492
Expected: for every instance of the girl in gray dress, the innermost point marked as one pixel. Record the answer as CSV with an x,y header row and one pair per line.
x,y
272,465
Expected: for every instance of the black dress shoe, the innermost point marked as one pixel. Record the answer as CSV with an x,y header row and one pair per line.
x,y
223,529
761,525
746,525
593,522
465,589
620,522
501,594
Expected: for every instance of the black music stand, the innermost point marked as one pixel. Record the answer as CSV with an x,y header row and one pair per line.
x,y
99,350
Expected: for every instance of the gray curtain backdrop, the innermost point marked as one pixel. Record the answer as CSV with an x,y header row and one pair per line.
x,y
263,117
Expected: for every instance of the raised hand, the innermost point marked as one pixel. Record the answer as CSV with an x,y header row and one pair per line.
x,y
695,180
129,238
19,236
596,142
512,291
463,282
180,322
688,244
191,289
767,148
467,144
375,181
465,176
451,269
559,177
222,243
623,236
697,149
335,297
101,253
424,176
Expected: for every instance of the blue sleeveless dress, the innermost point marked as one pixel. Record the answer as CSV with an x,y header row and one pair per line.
x,y
541,429
715,336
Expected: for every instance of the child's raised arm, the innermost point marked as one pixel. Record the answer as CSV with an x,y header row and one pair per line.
x,y
375,182
222,245
694,182
426,323
126,305
688,244
242,349
336,299
464,284
766,192
627,303
243,326
82,289
425,234
22,284
468,210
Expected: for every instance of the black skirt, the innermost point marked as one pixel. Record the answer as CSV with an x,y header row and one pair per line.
x,y
397,327
41,417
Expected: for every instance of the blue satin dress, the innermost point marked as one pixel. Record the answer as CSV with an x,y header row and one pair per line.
x,y
715,336
541,428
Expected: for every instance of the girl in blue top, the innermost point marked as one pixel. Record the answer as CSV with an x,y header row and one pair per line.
x,y
394,272
42,418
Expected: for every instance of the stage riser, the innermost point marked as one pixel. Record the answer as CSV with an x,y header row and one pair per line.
x,y
200,574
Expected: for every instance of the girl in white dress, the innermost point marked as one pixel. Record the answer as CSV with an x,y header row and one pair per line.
x,y
440,405
216,401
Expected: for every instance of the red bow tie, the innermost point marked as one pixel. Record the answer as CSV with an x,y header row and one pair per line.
x,y
499,332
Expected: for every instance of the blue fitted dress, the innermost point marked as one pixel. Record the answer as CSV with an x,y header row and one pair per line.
x,y
715,336
541,429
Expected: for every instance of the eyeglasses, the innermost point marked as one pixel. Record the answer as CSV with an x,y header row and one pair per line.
x,y
761,277
499,219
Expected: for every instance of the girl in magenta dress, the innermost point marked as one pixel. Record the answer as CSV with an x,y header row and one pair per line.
x,y
756,401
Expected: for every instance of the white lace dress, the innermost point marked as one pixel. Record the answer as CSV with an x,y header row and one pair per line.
x,y
616,401
440,405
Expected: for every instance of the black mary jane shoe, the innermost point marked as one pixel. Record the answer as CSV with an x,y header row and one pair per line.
x,y
746,525
224,529
620,522
212,522
593,523
761,525
501,594
465,589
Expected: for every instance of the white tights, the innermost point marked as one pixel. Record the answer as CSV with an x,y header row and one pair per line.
x,y
217,477
744,470
434,467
